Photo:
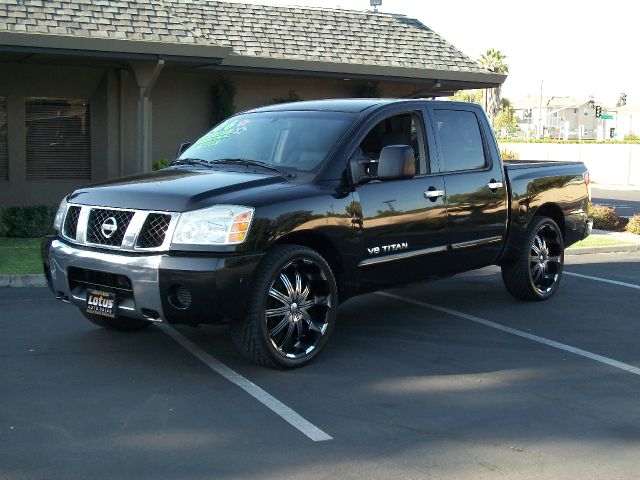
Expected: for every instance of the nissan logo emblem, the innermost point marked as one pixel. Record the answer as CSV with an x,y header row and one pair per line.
x,y
109,227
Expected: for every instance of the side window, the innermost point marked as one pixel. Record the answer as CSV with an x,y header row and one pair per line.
x,y
403,129
460,139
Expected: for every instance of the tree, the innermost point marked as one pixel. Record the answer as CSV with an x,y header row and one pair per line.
x,y
494,61
473,96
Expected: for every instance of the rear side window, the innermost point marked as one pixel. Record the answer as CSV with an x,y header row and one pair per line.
x,y
460,140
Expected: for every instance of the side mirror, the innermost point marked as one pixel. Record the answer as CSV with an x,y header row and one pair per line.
x,y
182,148
396,162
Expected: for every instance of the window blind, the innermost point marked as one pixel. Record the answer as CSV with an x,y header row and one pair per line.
x,y
58,139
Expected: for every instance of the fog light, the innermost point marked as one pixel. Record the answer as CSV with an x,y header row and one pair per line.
x,y
180,297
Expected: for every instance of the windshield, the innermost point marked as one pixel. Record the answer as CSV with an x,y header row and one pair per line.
x,y
295,140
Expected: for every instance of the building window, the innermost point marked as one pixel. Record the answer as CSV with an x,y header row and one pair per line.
x,y
58,139
4,154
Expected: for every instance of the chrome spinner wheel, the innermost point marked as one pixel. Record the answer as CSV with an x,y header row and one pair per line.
x,y
291,310
297,308
535,271
546,258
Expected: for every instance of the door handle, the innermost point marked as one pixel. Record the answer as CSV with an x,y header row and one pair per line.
x,y
433,194
493,185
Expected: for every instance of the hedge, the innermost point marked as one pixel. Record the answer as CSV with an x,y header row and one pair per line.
x,y
27,222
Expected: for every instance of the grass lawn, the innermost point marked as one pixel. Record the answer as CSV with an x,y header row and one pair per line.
x,y
20,255
599,241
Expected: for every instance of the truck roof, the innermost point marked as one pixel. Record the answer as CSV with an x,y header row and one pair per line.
x,y
351,105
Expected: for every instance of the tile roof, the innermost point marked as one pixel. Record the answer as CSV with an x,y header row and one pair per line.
x,y
286,33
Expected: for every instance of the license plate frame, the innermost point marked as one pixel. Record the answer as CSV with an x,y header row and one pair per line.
x,y
102,303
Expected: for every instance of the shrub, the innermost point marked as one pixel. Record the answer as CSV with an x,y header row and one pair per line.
x,y
224,93
631,137
634,224
509,154
27,222
606,218
160,164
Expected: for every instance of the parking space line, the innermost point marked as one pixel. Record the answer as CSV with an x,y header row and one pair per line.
x,y
269,401
535,338
605,280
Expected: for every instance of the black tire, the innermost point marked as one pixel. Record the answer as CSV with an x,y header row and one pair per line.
x,y
291,310
536,272
121,324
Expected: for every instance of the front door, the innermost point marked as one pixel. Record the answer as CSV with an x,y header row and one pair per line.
x,y
402,231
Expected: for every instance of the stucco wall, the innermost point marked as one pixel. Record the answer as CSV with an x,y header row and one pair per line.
x,y
182,102
181,106
616,164
18,82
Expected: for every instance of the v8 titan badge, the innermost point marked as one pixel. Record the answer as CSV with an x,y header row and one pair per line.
x,y
101,303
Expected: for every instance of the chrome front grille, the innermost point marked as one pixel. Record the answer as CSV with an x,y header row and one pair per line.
x,y
107,227
119,229
154,230
70,227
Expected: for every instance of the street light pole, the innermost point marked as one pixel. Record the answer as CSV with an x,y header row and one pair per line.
x,y
540,111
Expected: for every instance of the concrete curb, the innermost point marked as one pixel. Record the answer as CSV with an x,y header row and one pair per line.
x,y
607,249
36,280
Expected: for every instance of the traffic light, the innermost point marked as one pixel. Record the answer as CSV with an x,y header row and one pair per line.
x,y
598,111
612,133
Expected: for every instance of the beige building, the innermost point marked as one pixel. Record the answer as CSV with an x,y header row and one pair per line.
x,y
557,117
95,89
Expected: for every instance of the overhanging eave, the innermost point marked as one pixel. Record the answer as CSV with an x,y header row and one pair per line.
x,y
363,71
108,47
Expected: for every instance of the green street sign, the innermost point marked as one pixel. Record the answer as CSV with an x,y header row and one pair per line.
x,y
606,117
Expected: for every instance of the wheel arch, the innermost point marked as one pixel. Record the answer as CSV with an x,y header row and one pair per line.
x,y
552,211
325,247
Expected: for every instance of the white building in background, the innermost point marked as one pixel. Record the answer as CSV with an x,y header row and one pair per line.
x,y
558,117
574,119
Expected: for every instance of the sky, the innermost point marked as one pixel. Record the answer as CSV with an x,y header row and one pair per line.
x,y
573,48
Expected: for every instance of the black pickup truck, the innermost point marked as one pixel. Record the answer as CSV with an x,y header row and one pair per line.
x,y
278,214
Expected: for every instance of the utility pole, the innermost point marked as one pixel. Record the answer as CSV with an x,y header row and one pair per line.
x,y
540,111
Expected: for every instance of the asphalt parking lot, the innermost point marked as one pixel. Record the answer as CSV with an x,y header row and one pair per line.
x,y
489,388
625,201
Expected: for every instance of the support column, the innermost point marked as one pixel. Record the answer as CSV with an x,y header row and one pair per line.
x,y
145,74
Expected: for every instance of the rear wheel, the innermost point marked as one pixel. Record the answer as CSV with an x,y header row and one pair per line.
x,y
121,324
291,310
537,271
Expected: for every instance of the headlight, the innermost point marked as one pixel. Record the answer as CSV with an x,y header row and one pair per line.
x,y
57,221
219,225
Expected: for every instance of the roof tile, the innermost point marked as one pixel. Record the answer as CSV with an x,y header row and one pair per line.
x,y
314,34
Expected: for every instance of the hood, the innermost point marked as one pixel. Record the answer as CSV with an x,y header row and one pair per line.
x,y
172,190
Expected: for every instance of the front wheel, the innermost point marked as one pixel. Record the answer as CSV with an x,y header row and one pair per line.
x,y
536,272
291,310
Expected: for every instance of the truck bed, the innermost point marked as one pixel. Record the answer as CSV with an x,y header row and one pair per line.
x,y
520,164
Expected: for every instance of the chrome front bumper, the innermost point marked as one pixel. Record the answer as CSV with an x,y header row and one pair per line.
x,y
141,270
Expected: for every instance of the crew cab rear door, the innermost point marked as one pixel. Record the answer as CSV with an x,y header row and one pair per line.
x,y
402,229
475,185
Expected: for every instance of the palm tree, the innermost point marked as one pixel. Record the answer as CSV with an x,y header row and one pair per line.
x,y
494,61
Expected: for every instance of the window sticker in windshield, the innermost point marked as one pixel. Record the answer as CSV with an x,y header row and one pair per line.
x,y
215,136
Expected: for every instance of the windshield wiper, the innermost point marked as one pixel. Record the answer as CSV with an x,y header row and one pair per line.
x,y
246,161
191,161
